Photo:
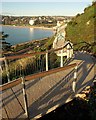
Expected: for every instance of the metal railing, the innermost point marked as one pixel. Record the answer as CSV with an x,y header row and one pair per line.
x,y
16,66
18,69
23,79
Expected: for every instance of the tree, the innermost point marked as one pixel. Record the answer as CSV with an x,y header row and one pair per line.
x,y
3,44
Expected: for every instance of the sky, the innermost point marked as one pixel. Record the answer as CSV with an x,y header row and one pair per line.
x,y
37,8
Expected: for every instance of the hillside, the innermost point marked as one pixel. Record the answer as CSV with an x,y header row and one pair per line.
x,y
81,30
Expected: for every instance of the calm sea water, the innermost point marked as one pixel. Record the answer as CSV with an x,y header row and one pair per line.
x,y
20,35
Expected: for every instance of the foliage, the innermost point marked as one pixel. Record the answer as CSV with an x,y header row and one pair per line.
x,y
82,28
38,45
49,43
30,63
3,44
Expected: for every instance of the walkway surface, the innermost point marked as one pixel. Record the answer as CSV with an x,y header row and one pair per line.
x,y
47,93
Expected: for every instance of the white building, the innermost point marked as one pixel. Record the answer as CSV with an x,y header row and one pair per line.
x,y
31,22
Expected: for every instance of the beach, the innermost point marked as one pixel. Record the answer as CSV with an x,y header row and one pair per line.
x,y
39,27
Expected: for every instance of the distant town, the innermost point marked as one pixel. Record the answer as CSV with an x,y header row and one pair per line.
x,y
46,21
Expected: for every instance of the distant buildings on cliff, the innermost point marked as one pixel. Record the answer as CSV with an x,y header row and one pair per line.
x,y
27,20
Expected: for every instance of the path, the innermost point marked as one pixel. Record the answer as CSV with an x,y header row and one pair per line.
x,y
47,93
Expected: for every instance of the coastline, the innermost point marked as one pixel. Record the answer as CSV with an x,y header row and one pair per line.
x,y
30,41
46,28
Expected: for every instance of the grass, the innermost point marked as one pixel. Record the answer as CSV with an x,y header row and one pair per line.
x,y
82,29
27,66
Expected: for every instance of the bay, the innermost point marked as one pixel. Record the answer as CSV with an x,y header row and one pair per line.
x,y
19,35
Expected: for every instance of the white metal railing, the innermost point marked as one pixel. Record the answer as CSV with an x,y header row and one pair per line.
x,y
22,81
15,66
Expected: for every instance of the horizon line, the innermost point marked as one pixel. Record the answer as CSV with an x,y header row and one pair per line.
x,y
39,15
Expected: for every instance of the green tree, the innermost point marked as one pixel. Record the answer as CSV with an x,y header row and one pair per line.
x,y
3,44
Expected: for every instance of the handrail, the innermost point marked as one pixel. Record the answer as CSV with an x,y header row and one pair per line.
x,y
31,54
34,76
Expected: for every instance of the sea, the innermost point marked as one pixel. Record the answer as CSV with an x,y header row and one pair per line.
x,y
19,35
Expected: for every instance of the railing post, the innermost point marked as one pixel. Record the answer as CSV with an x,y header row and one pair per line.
x,y
74,81
1,71
7,70
68,51
61,64
46,60
71,52
25,97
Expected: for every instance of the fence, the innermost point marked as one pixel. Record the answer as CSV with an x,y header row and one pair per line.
x,y
23,80
14,67
37,65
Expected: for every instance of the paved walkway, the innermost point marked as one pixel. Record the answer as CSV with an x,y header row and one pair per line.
x,y
47,93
